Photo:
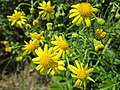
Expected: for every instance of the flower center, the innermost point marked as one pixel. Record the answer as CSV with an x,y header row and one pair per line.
x,y
63,45
31,47
48,8
81,74
38,37
85,9
45,60
17,17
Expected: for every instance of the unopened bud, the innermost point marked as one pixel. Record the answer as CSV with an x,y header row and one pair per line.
x,y
32,10
117,16
74,35
100,21
49,26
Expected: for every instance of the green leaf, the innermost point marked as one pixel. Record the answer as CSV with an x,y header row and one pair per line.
x,y
55,87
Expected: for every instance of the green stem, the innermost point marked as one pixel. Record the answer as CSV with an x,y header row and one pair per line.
x,y
67,60
70,27
106,11
36,2
32,4
103,51
82,29
97,61
85,55
24,4
107,45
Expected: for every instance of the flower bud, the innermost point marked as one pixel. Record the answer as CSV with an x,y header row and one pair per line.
x,y
57,15
36,22
49,26
74,35
117,16
98,45
27,26
100,21
63,14
32,10
60,25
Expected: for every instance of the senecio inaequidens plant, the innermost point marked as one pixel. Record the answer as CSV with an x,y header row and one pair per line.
x,y
54,56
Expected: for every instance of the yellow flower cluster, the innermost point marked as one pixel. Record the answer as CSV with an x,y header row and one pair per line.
x,y
8,48
39,37
48,60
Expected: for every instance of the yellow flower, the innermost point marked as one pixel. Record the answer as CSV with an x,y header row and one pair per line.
x,y
99,34
61,46
36,22
47,10
81,74
8,49
19,58
17,18
6,43
82,11
31,46
38,37
47,61
27,26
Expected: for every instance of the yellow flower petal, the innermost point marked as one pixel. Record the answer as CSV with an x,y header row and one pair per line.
x,y
73,10
86,67
78,83
77,64
74,76
90,79
52,72
84,85
79,21
73,69
38,67
73,14
61,68
95,10
39,51
89,70
88,22
75,19
37,59
46,48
